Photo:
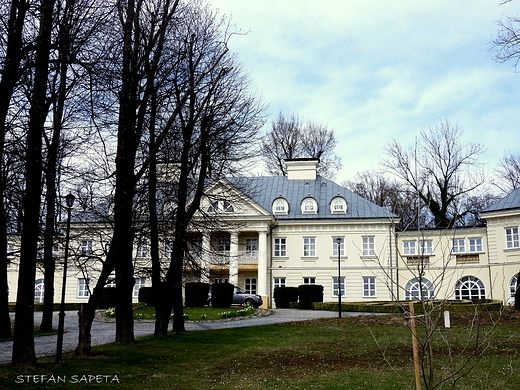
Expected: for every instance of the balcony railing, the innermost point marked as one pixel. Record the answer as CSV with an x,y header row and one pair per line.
x,y
417,260
467,259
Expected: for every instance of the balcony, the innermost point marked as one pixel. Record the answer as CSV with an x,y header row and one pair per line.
x,y
467,259
417,260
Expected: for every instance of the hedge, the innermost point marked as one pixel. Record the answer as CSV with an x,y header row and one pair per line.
x,y
309,293
283,296
108,298
222,294
196,294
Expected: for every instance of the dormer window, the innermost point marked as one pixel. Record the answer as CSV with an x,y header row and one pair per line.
x,y
338,206
309,206
221,205
280,206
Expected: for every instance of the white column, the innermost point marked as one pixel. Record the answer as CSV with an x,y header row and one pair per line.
x,y
204,256
233,259
262,263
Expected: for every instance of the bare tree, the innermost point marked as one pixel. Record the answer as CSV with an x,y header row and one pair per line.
x,y
440,169
507,177
290,138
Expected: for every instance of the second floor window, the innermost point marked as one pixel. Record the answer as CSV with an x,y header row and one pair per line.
x,y
335,246
458,246
309,246
142,249
425,247
512,240
280,247
369,246
86,248
475,244
409,248
251,245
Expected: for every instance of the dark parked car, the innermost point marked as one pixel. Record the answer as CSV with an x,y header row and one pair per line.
x,y
242,298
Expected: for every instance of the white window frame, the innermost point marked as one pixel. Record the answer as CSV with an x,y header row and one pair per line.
x,y
224,246
39,290
309,280
309,206
139,282
86,247
278,282
250,285
425,247
83,290
280,206
280,247
309,246
475,244
470,284
512,238
369,287
335,246
141,250
369,246
341,287
409,248
338,205
458,245
251,245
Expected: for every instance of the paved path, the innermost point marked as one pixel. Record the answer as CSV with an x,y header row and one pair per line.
x,y
104,332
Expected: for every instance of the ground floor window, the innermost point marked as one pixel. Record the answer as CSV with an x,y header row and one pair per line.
x,y
335,287
470,287
310,280
279,282
419,289
221,280
250,285
512,289
369,287
83,290
139,282
39,290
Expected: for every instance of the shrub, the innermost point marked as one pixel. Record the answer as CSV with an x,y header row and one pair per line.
x,y
146,296
283,296
108,298
196,294
309,293
222,294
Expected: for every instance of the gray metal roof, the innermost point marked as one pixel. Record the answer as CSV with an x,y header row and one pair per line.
x,y
511,201
265,189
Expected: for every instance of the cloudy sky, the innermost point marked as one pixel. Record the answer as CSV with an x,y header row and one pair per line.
x,y
378,70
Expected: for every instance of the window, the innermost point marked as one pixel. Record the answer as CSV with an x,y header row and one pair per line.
x,y
86,248
310,280
338,206
39,290
228,207
250,285
470,287
369,246
167,248
280,206
309,246
111,282
223,246
139,282
279,282
425,247
83,288
142,249
213,207
196,247
409,248
369,286
513,284
512,238
422,289
251,245
335,287
335,246
458,246
475,244
309,206
221,280
10,251
55,251
280,247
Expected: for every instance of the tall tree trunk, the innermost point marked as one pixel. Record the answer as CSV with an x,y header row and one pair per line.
x,y
10,76
23,342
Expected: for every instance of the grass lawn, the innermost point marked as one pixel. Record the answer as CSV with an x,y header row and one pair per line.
x,y
372,352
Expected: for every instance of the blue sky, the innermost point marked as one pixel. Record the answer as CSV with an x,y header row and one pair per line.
x,y
378,70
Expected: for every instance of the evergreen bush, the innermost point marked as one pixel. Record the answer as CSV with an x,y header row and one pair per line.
x,y
222,294
283,296
309,293
196,294
108,298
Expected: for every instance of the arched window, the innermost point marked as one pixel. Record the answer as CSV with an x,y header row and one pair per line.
x,y
309,206
338,205
213,207
280,206
228,207
513,284
39,290
470,287
416,289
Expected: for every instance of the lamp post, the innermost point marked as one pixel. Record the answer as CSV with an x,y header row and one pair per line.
x,y
69,199
338,240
